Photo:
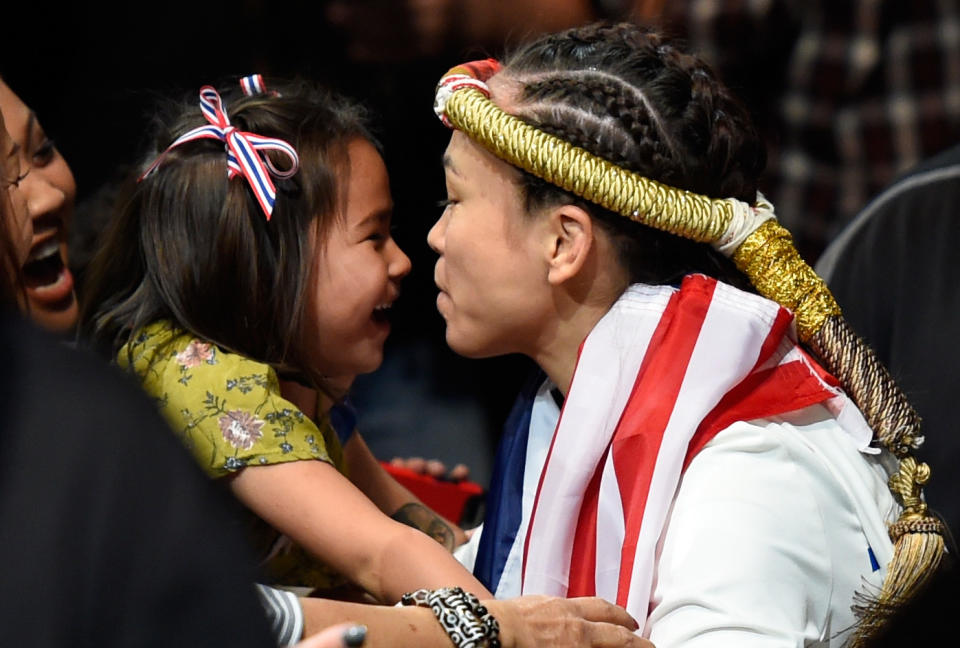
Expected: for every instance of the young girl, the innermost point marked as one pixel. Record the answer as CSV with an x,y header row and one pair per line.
x,y
245,305
680,453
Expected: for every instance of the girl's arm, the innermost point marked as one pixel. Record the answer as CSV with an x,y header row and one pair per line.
x,y
323,512
525,622
368,474
393,498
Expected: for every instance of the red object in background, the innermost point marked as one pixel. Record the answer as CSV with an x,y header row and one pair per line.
x,y
448,498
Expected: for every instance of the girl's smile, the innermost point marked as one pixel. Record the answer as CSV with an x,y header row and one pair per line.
x,y
356,273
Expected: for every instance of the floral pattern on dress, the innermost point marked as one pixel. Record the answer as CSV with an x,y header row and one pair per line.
x,y
196,353
283,423
240,429
246,384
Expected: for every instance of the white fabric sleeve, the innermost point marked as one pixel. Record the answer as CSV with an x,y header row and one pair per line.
x,y
284,613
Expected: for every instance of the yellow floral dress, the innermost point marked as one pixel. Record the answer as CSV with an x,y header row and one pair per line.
x,y
227,410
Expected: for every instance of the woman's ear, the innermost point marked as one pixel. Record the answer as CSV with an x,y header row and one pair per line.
x,y
570,240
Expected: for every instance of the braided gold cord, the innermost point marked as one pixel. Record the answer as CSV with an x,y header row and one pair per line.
x,y
769,258
572,168
868,382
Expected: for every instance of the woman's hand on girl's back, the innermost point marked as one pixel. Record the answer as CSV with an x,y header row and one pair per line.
x,y
534,620
531,621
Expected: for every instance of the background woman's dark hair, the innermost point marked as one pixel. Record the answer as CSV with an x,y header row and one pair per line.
x,y
12,290
628,94
188,245
11,279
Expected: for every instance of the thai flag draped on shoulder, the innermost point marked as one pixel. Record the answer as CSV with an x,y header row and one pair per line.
x,y
659,376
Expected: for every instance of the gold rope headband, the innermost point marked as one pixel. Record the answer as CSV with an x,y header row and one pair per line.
x,y
761,248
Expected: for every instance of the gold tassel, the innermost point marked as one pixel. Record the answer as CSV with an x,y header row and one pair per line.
x,y
918,548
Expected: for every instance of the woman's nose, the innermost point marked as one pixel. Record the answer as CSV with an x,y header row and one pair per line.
x,y
43,197
435,236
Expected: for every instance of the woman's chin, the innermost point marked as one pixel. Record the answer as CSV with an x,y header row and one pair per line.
x,y
59,318
465,346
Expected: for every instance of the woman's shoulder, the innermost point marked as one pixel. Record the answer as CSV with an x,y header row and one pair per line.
x,y
808,449
760,461
787,505
799,476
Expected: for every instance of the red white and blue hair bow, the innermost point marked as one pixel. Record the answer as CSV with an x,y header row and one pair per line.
x,y
244,155
253,85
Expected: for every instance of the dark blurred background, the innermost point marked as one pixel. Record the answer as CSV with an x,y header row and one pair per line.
x,y
848,92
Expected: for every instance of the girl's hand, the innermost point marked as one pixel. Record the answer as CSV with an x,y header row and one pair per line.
x,y
534,620
433,467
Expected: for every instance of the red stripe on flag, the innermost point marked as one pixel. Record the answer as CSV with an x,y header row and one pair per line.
x,y
827,377
762,394
776,335
583,557
636,442
786,388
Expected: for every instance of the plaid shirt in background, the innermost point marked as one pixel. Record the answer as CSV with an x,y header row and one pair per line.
x,y
848,92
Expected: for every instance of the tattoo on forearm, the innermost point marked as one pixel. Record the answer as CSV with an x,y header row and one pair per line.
x,y
420,517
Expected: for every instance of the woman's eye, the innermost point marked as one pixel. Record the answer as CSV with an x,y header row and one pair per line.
x,y
44,153
448,202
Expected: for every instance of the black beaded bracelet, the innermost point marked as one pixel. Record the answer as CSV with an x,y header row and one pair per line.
x,y
466,621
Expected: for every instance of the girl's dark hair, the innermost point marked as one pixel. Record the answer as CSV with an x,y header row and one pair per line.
x,y
189,245
628,94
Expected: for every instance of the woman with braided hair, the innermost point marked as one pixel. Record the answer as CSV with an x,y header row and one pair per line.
x,y
707,443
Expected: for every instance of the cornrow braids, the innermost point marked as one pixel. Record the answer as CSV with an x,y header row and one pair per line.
x,y
622,93
688,130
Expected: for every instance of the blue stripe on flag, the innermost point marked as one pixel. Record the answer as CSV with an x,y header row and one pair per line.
x,y
505,497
